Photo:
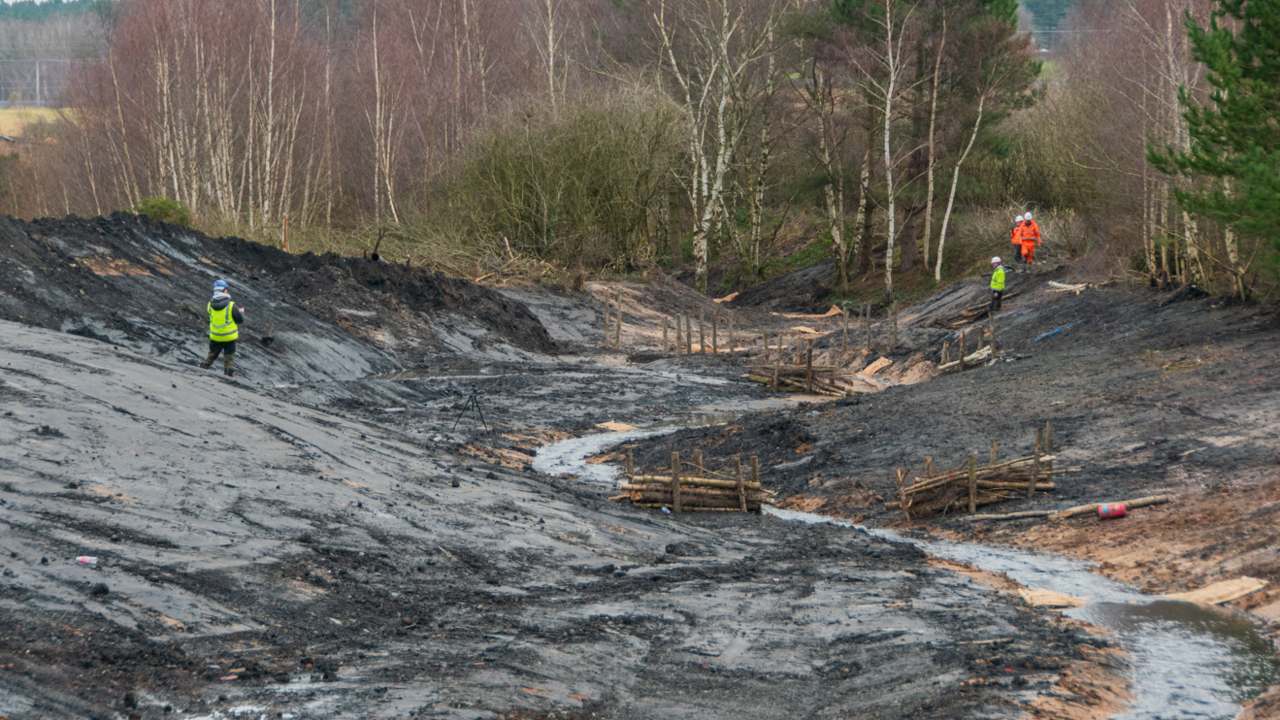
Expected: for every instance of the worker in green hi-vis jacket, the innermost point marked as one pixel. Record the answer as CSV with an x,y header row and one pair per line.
x,y
224,319
997,283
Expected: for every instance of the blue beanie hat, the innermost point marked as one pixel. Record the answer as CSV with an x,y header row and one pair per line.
x,y
219,285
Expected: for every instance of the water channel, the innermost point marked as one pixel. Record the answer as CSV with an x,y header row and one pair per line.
x,y
1185,661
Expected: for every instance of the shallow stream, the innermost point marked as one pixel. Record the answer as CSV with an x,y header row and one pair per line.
x,y
1185,661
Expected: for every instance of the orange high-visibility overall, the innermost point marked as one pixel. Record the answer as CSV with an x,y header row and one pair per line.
x,y
1029,237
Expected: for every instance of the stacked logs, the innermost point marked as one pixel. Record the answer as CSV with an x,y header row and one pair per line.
x,y
972,485
682,493
993,483
815,380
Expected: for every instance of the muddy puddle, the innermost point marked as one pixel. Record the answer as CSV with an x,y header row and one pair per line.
x,y
1185,661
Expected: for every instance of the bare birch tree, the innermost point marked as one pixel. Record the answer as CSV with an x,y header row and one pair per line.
x,y
715,51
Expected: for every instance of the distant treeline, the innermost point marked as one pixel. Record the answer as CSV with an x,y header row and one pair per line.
x,y
30,11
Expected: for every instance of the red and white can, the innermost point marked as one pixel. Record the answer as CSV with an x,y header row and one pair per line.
x,y
1117,510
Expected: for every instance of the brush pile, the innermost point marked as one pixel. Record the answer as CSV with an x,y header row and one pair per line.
x,y
826,380
971,486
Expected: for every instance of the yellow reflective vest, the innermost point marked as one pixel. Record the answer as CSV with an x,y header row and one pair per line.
x,y
222,327
997,278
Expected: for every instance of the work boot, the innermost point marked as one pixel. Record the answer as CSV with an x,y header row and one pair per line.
x,y
229,372
204,365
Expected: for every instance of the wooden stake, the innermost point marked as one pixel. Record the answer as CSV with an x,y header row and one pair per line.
x,y
664,336
742,487
730,333
764,340
799,351
995,453
902,498
675,482
617,336
1048,443
808,369
866,324
844,339
715,333
1035,464
991,328
928,466
777,367
697,463
679,340
962,368
973,486
702,335
755,474
631,465
688,334
607,318
946,352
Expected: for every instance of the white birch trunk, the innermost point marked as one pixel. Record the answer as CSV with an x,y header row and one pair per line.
x,y
890,88
933,124
951,197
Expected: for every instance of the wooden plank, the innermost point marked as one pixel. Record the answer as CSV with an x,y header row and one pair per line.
x,y
1221,592
875,367
1049,598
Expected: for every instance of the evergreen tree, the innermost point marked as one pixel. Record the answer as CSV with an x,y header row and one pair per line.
x,y
1234,139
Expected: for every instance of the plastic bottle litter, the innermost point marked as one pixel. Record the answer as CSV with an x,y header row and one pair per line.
x,y
87,560
666,511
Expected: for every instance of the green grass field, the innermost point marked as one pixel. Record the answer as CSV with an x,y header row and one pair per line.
x,y
14,121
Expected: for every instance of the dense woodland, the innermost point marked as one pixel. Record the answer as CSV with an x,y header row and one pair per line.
x,y
733,138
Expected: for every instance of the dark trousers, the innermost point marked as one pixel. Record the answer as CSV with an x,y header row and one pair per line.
x,y
226,349
996,297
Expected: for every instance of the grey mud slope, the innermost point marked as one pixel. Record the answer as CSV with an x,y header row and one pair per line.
x,y
318,539
332,568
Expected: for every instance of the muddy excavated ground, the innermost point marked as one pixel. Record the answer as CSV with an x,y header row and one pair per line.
x,y
352,527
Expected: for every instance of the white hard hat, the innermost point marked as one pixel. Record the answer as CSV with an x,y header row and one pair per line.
x,y
995,260
1028,216
1018,219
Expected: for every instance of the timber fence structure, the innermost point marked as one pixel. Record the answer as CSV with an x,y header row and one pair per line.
x,y
972,485
693,487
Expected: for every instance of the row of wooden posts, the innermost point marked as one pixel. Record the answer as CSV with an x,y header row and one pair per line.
x,y
963,360
1032,474
684,330
696,488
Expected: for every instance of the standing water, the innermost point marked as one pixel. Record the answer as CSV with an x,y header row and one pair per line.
x,y
1185,661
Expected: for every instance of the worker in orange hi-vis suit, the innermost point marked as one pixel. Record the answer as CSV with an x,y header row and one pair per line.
x,y
1030,237
1016,235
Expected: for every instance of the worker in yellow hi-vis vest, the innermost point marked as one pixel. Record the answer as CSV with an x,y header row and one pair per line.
x,y
997,284
224,320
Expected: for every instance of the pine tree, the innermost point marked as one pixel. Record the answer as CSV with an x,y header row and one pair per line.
x,y
1234,139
